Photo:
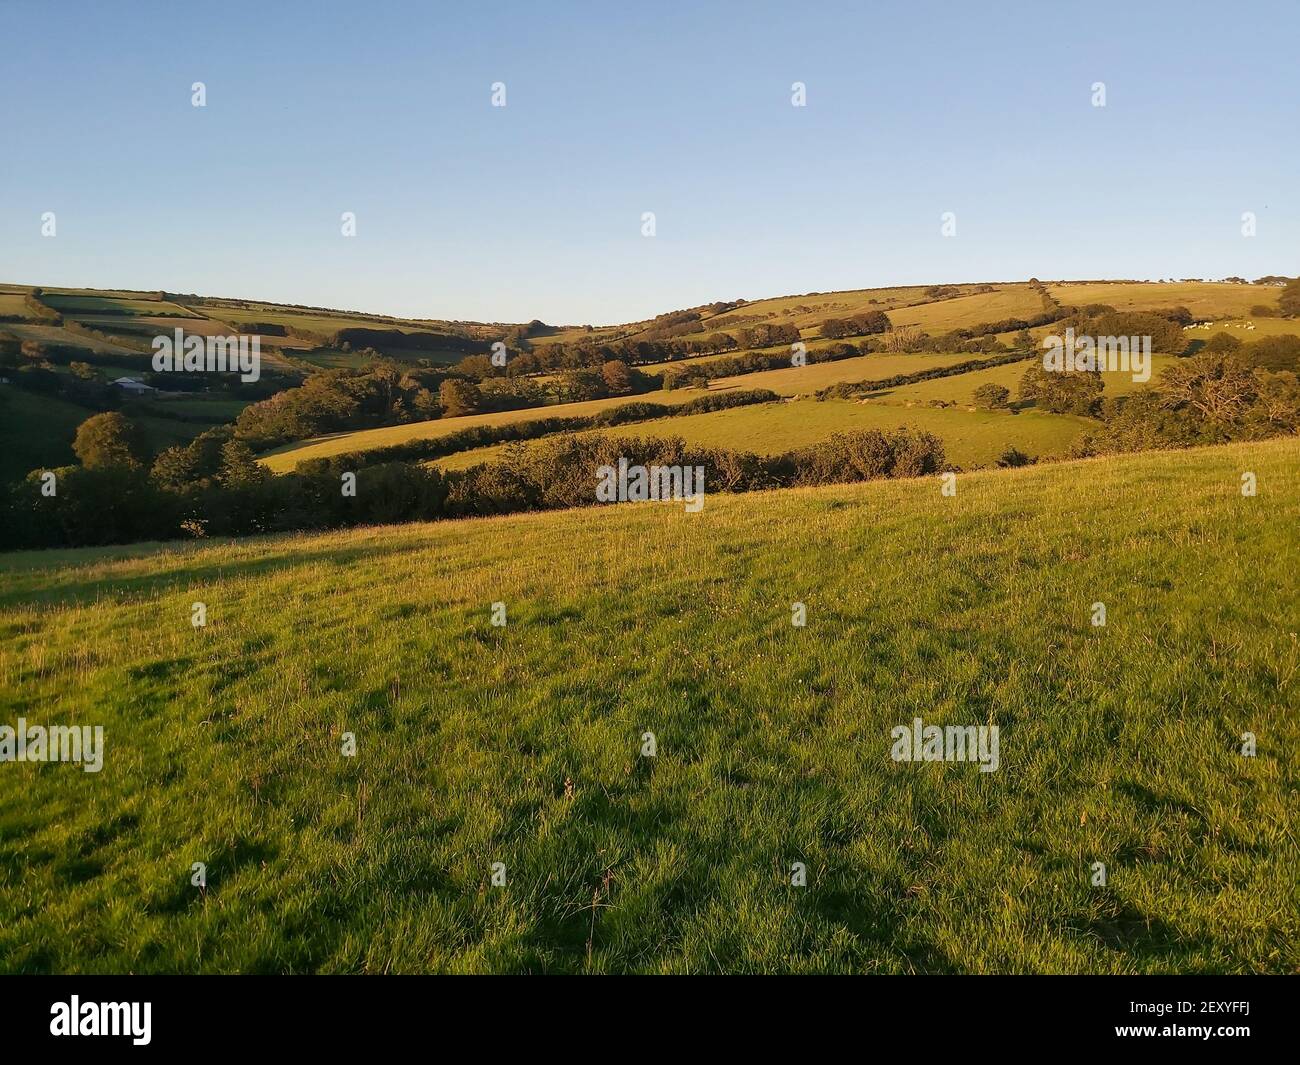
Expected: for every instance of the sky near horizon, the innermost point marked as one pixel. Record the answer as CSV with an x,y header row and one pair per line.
x,y
534,210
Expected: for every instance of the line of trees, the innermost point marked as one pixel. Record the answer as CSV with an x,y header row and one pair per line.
x,y
1210,398
215,487
860,325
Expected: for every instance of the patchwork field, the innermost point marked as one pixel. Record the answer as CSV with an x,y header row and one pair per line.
x,y
287,457
801,380
965,312
521,745
961,388
99,305
53,334
809,311
971,438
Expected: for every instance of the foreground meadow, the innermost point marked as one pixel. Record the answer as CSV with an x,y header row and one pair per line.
x,y
522,745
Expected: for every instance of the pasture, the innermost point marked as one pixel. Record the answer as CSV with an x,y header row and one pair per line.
x,y
1205,299
971,438
515,752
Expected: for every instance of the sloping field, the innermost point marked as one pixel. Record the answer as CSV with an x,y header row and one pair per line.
x,y
961,388
101,305
801,380
971,438
166,326
37,431
54,334
1202,298
287,457
809,311
13,305
1264,327
521,745
964,312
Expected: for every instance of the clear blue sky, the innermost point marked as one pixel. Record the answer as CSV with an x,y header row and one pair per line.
x,y
534,210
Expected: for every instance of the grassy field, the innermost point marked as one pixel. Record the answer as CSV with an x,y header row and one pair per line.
x,y
99,305
53,334
13,305
35,431
809,311
961,388
971,438
287,457
802,380
1202,298
1236,327
965,312
792,381
521,745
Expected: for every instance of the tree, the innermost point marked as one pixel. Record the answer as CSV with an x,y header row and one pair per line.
x,y
1219,387
1062,392
111,440
991,396
1275,353
578,386
1278,401
240,468
618,377
874,322
1288,301
1222,344
194,463
1013,457
457,397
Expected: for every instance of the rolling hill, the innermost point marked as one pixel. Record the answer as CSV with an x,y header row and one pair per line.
x,y
522,744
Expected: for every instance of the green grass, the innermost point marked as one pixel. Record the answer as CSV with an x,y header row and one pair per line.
x,y
53,334
803,380
971,438
211,404
99,305
36,431
521,744
961,388
1236,327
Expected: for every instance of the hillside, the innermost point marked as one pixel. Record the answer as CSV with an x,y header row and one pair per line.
x,y
972,437
84,339
521,744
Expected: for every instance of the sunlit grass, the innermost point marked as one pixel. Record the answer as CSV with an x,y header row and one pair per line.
x,y
1118,744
